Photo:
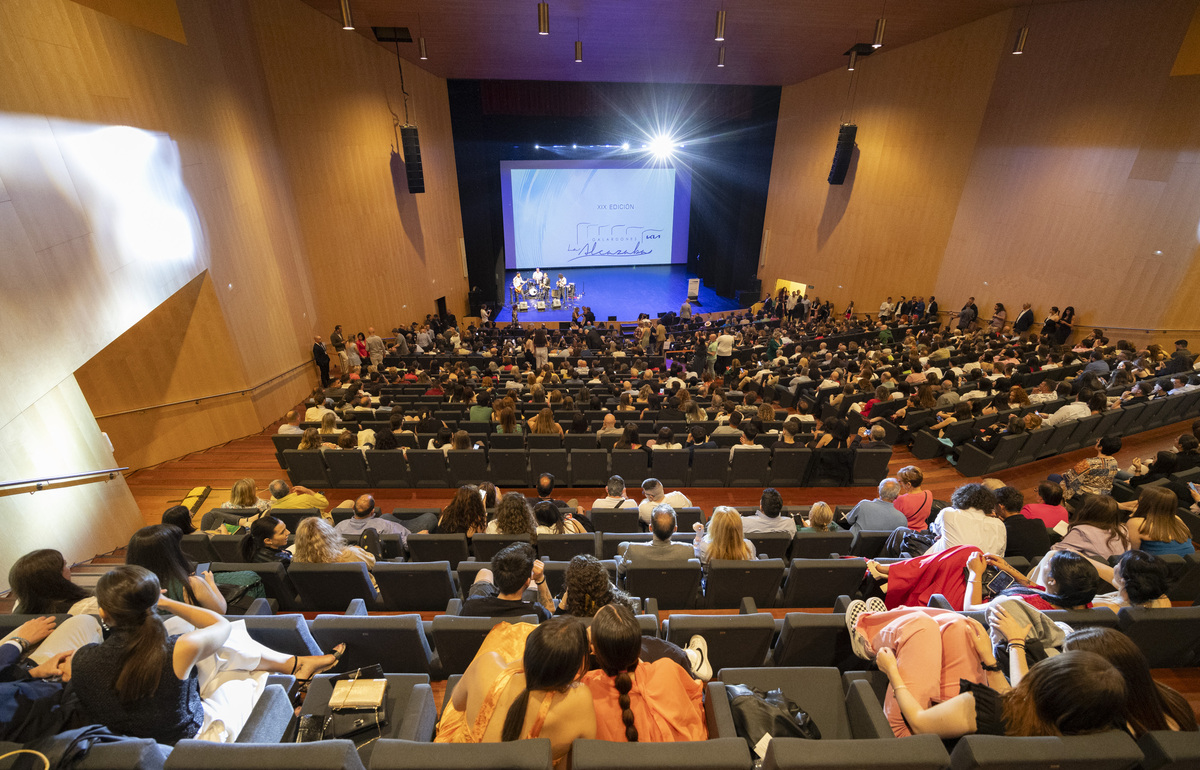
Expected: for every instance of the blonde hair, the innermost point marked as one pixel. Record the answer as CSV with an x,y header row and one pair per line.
x,y
911,475
725,535
820,516
243,494
310,440
317,542
544,422
328,423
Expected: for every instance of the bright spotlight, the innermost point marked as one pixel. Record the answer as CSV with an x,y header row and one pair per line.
x,y
537,147
625,146
574,147
662,146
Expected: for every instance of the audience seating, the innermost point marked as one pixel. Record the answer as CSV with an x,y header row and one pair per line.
x,y
918,752
812,639
733,640
674,586
452,548
276,582
457,639
729,581
396,642
1168,636
416,586
819,545
412,713
333,586
528,754
1169,749
818,582
713,754
1103,751
564,547
839,714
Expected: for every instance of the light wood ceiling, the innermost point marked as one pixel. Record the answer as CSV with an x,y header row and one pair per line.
x,y
768,42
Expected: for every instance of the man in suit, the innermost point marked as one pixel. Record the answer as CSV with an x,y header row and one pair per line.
x,y
321,357
661,548
1024,319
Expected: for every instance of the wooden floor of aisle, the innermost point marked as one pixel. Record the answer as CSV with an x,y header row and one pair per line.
x,y
157,488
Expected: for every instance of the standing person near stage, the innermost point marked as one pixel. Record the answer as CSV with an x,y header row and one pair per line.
x,y
338,340
725,343
321,358
541,346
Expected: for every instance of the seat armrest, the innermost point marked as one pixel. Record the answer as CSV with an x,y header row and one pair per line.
x,y
941,602
865,713
717,714
420,718
650,606
748,606
454,606
356,608
262,607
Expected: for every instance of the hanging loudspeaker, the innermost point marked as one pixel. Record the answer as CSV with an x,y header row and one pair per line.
x,y
841,156
412,159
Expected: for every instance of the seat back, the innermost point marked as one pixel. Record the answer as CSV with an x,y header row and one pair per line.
x,y
789,465
306,467
812,639
416,586
205,755
750,468
332,586
509,468
589,467
868,543
487,546
729,581
428,468
275,580
1099,751
227,548
396,642
818,545
816,690
713,754
685,518
528,754
671,466
831,468
565,547
615,519
733,641
710,467
818,582
467,466
197,548
347,468
871,465
289,634
388,468
674,586
776,545
1169,748
633,465
552,461
573,441
1167,636
916,752
457,639
506,441
451,547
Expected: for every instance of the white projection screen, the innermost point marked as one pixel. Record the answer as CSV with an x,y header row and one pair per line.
x,y
593,214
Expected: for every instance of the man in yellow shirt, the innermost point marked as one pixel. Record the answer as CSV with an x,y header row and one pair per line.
x,y
285,497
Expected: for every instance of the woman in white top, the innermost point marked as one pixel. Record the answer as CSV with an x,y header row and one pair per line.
x,y
665,440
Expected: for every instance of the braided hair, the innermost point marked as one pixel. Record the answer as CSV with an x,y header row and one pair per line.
x,y
617,642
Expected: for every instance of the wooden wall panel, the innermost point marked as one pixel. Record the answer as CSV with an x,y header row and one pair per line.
x,y
918,111
379,255
57,434
1085,188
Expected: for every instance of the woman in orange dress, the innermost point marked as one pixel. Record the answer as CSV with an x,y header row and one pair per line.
x,y
523,683
635,701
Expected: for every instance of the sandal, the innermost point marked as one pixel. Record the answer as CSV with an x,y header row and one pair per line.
x,y
302,684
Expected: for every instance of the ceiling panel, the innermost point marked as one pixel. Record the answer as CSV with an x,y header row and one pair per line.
x,y
768,42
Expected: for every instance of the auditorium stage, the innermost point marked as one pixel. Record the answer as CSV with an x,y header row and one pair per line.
x,y
624,292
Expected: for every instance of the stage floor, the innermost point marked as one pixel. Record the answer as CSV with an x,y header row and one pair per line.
x,y
624,292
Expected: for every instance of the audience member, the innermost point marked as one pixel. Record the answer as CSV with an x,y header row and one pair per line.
x,y
879,514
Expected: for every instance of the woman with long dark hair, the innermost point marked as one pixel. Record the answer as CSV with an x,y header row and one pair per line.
x,y
465,513
523,683
636,701
266,542
41,583
1151,705
157,548
164,680
1069,582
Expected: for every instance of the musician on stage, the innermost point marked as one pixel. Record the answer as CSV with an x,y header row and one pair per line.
x,y
538,275
562,283
517,283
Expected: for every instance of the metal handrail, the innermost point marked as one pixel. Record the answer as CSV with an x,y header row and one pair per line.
x,y
198,399
110,472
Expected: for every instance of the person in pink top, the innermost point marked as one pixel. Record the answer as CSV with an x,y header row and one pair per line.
x,y
1048,508
915,503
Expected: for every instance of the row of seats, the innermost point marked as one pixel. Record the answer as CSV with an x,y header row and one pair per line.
x,y
785,466
1068,437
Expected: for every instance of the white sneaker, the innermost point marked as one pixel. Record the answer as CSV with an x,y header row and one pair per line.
x,y
875,604
697,652
857,642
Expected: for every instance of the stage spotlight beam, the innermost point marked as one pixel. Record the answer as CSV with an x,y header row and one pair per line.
x,y
662,146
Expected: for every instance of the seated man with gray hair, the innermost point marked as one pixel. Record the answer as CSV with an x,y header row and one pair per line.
x,y
655,496
878,514
661,547
615,498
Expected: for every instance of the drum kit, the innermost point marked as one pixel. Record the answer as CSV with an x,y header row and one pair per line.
x,y
539,292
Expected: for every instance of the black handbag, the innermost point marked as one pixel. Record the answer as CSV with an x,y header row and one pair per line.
x,y
757,714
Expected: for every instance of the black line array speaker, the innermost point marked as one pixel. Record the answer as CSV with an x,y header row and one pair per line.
x,y
412,159
843,153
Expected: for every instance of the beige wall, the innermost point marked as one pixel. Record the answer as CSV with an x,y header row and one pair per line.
x,y
286,163
1053,176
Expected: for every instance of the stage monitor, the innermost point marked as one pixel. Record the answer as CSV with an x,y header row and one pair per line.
x,y
594,213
